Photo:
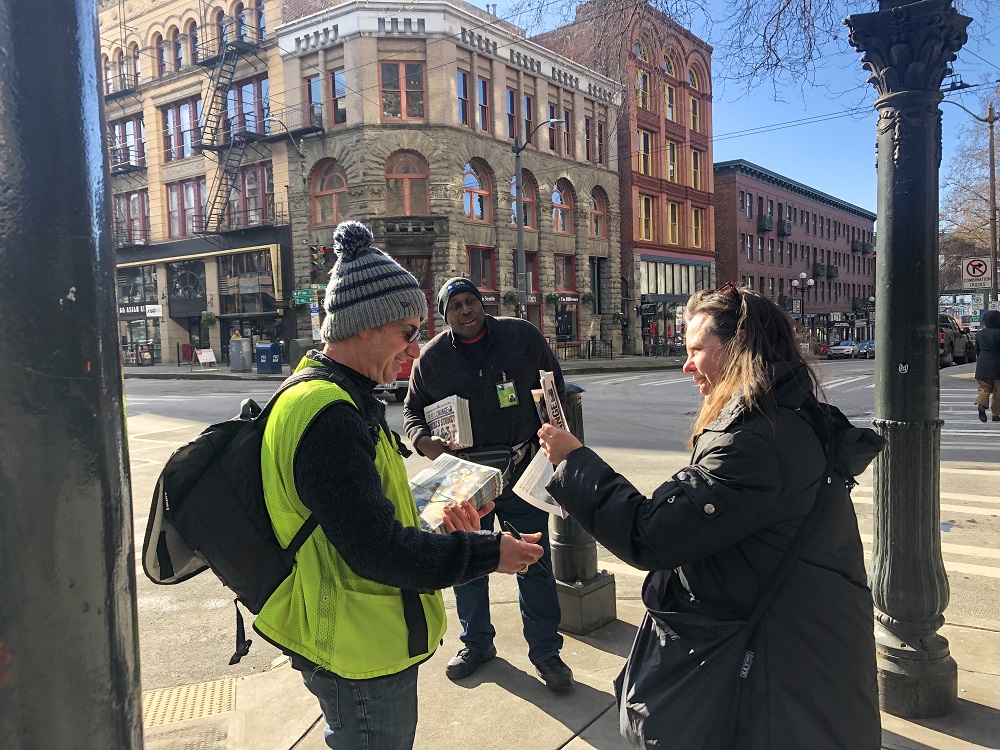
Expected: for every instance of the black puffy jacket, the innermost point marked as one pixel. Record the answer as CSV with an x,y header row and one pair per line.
x,y
988,347
714,533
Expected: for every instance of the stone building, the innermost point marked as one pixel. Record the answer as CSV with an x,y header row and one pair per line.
x,y
421,105
666,187
236,145
772,231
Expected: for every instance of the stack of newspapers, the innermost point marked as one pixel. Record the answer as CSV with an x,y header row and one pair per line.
x,y
450,479
531,485
449,419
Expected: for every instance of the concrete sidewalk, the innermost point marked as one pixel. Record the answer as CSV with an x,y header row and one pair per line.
x,y
504,705
570,366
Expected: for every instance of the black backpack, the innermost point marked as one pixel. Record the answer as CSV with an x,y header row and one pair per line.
x,y
208,509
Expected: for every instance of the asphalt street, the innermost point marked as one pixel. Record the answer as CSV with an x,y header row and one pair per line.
x,y
638,421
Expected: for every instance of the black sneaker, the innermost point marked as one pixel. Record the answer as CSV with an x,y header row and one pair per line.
x,y
468,661
555,673
982,415
996,418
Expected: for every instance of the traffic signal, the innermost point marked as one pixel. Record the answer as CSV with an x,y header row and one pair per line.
x,y
317,261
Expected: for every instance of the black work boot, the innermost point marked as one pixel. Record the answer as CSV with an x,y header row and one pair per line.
x,y
467,661
982,414
555,673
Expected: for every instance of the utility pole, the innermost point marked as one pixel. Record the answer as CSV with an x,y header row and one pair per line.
x,y
69,652
907,47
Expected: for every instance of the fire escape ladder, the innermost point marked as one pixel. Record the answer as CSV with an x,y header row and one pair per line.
x,y
222,80
222,187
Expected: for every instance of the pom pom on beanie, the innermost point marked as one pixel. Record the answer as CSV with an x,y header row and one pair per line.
x,y
351,238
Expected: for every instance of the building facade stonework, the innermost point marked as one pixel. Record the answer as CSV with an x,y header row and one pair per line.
x,y
770,230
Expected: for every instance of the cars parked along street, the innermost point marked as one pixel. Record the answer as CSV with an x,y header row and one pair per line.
x,y
846,349
866,349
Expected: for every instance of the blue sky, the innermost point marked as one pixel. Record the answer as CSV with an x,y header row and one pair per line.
x,y
835,152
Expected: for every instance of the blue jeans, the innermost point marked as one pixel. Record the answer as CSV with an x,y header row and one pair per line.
x,y
375,714
536,590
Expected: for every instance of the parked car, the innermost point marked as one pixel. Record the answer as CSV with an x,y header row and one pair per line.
x,y
846,349
866,349
955,343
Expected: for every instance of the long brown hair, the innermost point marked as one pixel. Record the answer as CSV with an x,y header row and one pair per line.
x,y
756,334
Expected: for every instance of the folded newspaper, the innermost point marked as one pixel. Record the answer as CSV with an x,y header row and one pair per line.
x,y
450,479
531,486
449,419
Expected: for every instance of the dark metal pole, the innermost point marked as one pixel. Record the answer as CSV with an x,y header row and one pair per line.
x,y
586,596
522,270
907,47
991,119
69,655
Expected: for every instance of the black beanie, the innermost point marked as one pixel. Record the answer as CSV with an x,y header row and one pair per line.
x,y
454,286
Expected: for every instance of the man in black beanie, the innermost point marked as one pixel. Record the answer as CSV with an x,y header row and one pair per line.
x,y
494,363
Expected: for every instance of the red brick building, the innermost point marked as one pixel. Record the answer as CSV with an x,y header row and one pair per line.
x,y
667,201
770,230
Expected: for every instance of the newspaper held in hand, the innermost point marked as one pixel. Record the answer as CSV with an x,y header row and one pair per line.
x,y
531,486
450,479
449,419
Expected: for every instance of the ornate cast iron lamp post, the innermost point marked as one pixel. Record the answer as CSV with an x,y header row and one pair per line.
x,y
907,46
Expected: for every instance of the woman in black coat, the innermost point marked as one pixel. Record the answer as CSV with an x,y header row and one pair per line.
x,y
714,533
988,365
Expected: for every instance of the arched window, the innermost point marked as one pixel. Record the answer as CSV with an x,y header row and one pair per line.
x,y
562,208
598,213
260,19
176,50
329,194
161,56
640,51
121,70
241,22
477,195
134,55
693,79
192,34
529,201
221,33
108,79
668,65
406,185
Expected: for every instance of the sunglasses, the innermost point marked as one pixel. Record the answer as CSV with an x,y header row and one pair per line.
x,y
412,335
728,287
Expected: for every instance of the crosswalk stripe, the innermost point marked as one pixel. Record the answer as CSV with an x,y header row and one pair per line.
x,y
969,509
964,497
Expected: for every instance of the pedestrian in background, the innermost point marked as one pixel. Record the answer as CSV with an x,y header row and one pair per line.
x,y
494,363
988,365
362,607
715,533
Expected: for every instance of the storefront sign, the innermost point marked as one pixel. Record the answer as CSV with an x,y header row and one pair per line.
x,y
154,311
131,309
835,316
569,299
491,298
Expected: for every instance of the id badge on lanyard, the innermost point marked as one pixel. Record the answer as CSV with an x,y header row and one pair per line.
x,y
506,392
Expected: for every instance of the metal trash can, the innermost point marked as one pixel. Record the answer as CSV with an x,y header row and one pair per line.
x,y
297,349
268,358
240,355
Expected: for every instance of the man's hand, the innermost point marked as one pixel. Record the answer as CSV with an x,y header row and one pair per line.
x,y
463,516
433,446
517,555
556,443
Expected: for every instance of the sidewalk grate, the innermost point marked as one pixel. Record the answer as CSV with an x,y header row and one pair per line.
x,y
185,702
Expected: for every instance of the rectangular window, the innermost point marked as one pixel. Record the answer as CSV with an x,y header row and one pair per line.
x,y
781,252
131,219
531,261
588,146
462,85
645,217
246,104
749,205
673,209
696,170
181,132
565,272
553,115
670,103
770,208
402,87
743,199
484,105
186,206
642,89
695,115
770,250
127,142
479,265
339,83
671,161
760,249
568,132
696,216
511,113
643,146
600,143
528,104
749,247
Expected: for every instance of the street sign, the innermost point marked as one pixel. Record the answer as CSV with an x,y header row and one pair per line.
x,y
995,305
796,305
976,273
978,301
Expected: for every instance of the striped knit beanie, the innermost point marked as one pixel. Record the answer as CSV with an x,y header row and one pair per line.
x,y
367,288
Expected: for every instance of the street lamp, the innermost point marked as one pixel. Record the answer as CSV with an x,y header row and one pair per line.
x,y
990,119
299,147
522,279
803,284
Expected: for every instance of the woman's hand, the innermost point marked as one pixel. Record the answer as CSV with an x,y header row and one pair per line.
x,y
463,516
557,443
516,555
